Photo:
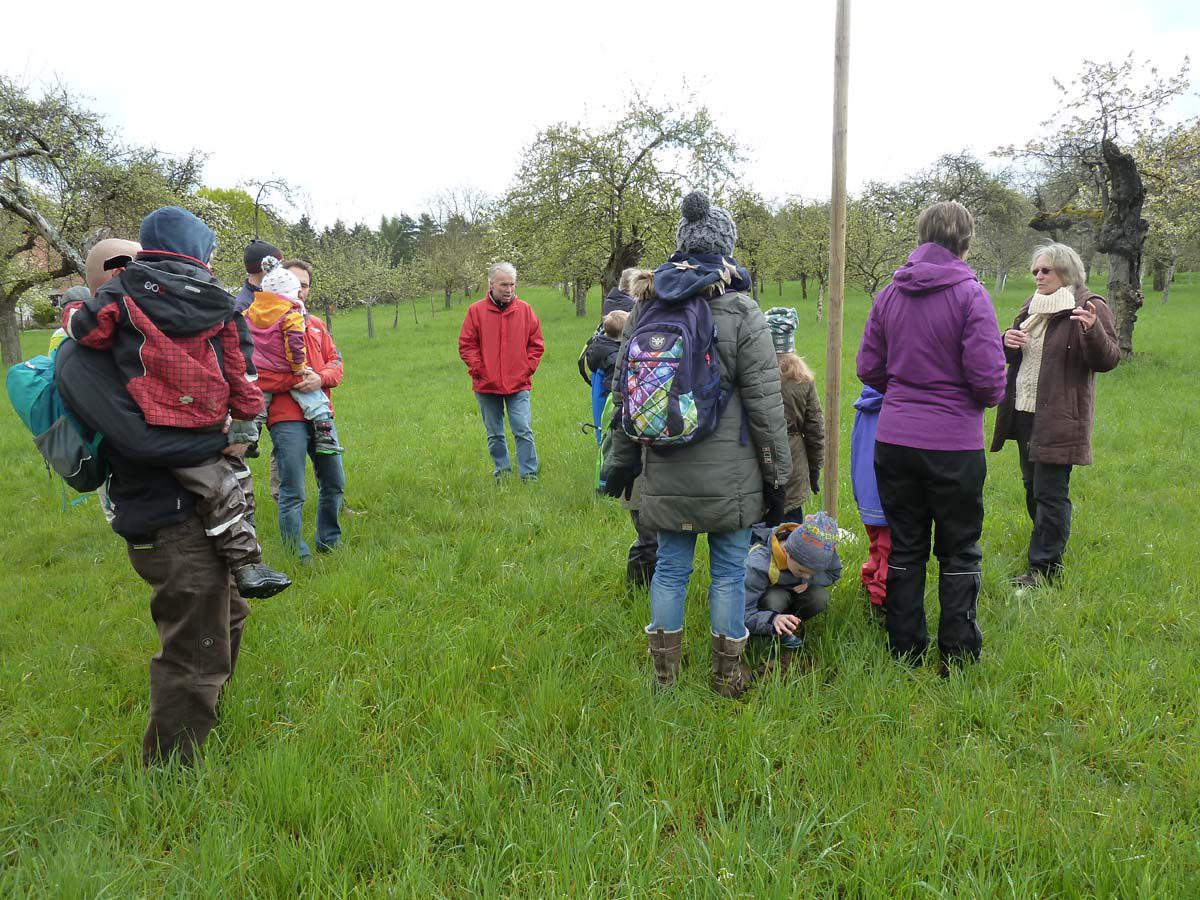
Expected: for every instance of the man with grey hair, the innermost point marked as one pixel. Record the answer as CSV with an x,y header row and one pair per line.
x,y
501,343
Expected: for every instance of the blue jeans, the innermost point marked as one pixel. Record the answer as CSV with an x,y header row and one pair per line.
x,y
292,442
726,594
492,407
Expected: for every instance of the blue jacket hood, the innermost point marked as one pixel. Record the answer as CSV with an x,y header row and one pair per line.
x,y
173,229
931,267
870,400
684,276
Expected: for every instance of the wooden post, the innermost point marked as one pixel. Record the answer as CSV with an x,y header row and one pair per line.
x,y
837,258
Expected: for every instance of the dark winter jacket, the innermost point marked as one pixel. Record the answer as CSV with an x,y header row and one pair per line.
x,y
1066,390
615,300
716,485
862,457
244,297
806,436
185,355
601,356
145,496
932,348
501,347
766,567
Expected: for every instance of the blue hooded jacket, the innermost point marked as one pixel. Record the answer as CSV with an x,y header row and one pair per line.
x,y
862,457
174,230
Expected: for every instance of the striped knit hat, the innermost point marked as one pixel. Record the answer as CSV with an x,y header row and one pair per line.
x,y
814,544
782,320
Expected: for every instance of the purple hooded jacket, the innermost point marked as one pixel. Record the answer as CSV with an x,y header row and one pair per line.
x,y
932,348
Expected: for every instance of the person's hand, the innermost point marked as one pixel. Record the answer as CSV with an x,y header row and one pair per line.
x,y
309,381
235,449
619,481
225,425
1085,315
1015,338
814,480
242,432
784,623
776,499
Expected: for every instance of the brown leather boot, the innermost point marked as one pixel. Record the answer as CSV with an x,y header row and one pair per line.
x,y
730,675
666,648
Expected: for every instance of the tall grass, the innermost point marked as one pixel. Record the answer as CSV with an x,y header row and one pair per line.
x,y
457,703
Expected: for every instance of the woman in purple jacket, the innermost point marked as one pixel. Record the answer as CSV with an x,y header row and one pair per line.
x,y
932,348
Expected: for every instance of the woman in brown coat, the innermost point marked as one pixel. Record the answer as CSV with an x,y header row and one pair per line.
x,y
1063,336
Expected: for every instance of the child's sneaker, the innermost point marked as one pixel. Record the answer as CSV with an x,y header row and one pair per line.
x,y
325,444
258,581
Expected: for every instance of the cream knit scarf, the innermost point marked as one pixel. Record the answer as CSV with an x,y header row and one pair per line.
x,y
1041,308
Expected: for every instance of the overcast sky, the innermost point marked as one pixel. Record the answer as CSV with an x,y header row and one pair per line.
x,y
372,112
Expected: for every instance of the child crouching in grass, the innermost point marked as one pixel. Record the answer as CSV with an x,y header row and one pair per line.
x,y
789,571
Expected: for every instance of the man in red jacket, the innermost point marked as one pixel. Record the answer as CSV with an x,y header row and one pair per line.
x,y
292,436
501,343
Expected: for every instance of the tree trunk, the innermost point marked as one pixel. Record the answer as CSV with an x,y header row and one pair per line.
x,y
820,300
625,256
1169,279
449,290
779,282
581,293
10,333
396,318
754,286
1122,237
370,320
329,317
803,286
1160,275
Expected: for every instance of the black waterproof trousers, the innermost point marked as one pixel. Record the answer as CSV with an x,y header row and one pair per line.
x,y
1048,501
938,492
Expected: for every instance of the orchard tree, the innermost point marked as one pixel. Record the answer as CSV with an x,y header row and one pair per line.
x,y
881,230
601,198
1172,174
1102,116
753,220
65,182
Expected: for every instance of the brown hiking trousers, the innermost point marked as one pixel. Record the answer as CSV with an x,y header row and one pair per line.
x,y
199,616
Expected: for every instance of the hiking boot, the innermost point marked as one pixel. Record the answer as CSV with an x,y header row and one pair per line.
x,y
666,648
730,675
257,581
325,443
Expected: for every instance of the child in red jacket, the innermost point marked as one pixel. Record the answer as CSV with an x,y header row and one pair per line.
x,y
185,356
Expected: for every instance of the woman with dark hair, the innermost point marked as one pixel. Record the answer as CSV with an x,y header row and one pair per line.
x,y
932,348
1063,336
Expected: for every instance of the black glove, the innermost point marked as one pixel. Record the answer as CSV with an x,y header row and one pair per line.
x,y
619,481
776,498
814,480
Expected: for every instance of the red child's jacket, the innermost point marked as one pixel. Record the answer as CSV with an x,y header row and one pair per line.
x,y
185,355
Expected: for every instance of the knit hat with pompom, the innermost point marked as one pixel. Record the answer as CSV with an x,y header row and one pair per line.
x,y
278,280
704,228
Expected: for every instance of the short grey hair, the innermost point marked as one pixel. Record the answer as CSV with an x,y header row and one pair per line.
x,y
948,224
496,268
626,281
1064,260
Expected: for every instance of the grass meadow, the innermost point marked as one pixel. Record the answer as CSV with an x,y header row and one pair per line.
x,y
458,702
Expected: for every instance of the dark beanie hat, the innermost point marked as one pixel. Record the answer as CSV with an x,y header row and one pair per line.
x,y
704,228
256,250
814,544
172,229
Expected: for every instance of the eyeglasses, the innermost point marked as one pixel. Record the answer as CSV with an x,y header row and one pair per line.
x,y
1044,270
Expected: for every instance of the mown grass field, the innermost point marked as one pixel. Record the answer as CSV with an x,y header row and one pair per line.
x,y
458,702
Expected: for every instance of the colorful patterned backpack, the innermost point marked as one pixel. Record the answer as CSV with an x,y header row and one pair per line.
x,y
670,379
